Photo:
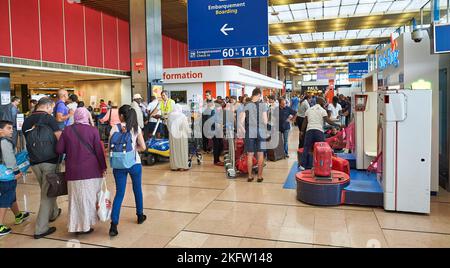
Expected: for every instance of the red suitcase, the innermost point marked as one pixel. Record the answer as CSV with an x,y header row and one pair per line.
x,y
242,165
340,164
240,146
322,159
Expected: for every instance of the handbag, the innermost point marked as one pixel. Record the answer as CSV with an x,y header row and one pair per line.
x,y
104,203
57,184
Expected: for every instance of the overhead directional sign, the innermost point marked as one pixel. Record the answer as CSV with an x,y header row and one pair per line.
x,y
356,70
441,38
228,29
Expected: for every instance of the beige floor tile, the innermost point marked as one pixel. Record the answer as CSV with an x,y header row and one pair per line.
x,y
151,241
402,239
23,241
157,231
438,221
259,193
218,241
264,231
292,245
299,235
180,199
367,240
339,239
188,240
256,243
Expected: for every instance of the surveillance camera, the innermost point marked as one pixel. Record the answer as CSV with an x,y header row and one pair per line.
x,y
417,35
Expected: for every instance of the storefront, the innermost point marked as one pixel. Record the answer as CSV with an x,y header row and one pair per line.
x,y
185,84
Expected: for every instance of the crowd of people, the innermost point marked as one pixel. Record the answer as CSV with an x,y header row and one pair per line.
x,y
65,131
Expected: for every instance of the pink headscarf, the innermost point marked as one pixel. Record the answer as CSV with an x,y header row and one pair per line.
x,y
81,116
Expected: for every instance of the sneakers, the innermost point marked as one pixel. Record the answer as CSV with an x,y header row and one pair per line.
x,y
301,168
260,180
141,218
23,216
113,230
4,230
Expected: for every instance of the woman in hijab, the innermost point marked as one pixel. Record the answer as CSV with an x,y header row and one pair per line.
x,y
179,132
85,169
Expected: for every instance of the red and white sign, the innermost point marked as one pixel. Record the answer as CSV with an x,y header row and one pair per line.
x,y
139,64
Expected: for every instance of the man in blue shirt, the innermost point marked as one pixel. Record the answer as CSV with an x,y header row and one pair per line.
x,y
295,101
286,116
61,112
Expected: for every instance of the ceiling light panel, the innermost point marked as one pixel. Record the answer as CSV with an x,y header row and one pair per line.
x,y
330,36
343,9
328,50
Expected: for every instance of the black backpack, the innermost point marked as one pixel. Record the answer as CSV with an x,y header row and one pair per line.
x,y
41,143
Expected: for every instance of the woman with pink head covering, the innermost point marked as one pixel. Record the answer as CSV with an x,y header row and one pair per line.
x,y
85,169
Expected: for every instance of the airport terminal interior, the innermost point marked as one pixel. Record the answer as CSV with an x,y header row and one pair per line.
x,y
355,94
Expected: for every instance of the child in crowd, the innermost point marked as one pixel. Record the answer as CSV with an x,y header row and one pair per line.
x,y
9,173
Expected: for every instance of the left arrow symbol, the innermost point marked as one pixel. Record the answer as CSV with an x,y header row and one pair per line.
x,y
225,30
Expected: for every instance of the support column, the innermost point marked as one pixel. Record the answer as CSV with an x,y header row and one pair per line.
x,y
138,48
282,75
263,66
154,44
274,68
146,45
247,63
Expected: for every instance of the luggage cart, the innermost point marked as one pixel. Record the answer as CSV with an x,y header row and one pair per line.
x,y
230,156
194,143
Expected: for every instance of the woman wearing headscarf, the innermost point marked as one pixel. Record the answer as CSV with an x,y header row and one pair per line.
x,y
179,131
85,169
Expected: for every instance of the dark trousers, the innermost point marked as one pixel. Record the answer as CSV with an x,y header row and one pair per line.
x,y
300,138
311,137
217,148
205,143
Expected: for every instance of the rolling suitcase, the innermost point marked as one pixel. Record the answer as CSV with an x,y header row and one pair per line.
x,y
239,149
278,152
322,159
340,164
242,165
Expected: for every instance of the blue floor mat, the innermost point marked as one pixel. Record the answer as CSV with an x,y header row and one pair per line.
x,y
291,182
363,181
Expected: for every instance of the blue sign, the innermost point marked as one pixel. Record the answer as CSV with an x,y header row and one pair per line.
x,y
228,29
356,70
441,38
388,58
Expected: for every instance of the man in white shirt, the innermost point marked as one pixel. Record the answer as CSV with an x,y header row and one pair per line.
x,y
314,121
154,113
136,105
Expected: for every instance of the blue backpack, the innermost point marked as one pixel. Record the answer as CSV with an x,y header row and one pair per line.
x,y
122,154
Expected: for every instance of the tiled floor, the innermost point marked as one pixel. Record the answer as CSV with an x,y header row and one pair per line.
x,y
203,209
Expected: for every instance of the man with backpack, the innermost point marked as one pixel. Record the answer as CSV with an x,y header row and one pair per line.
x,y
42,133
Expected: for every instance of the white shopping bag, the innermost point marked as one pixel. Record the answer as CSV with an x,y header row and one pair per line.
x,y
104,203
